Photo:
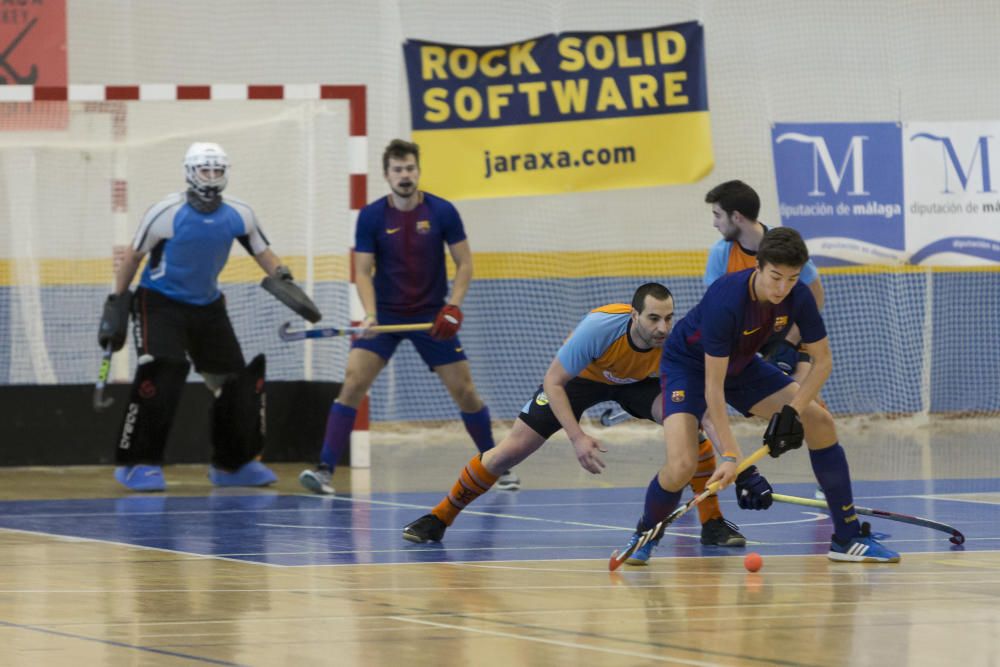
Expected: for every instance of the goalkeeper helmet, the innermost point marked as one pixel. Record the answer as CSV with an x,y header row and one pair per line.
x,y
206,168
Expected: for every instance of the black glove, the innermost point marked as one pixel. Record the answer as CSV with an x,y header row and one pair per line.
x,y
114,321
782,354
284,289
753,491
784,432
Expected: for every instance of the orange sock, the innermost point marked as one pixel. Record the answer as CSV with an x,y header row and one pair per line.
x,y
474,481
709,507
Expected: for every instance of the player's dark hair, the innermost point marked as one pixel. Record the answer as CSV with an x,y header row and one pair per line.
x,y
655,290
782,246
735,196
399,149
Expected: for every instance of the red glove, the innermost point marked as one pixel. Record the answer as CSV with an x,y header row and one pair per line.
x,y
447,322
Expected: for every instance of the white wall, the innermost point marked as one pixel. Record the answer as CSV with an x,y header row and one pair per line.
x,y
780,60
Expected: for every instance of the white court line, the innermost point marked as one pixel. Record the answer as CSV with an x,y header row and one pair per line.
x,y
195,554
953,499
795,611
921,496
922,580
815,516
555,642
547,520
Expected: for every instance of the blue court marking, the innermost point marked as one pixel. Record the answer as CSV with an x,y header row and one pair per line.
x,y
291,530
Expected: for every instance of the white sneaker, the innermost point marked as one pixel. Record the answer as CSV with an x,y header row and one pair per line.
x,y
818,494
509,481
318,480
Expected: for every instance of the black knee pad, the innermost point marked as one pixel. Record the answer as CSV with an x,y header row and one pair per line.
x,y
156,392
238,423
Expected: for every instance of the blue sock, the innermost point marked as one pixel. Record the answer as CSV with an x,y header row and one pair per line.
x,y
659,504
480,428
339,424
834,477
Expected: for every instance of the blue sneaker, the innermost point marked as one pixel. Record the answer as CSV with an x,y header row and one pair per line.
x,y
253,473
641,555
862,548
141,477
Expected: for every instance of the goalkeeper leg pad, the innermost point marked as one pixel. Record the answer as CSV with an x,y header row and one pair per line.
x,y
156,392
238,422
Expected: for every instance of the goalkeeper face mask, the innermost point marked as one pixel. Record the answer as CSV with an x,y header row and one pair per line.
x,y
206,169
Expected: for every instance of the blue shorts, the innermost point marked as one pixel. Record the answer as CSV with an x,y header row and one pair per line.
x,y
683,386
434,352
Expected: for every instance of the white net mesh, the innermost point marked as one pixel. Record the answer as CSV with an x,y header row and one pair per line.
x,y
73,194
76,188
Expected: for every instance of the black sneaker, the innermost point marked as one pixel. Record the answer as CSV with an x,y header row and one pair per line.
x,y
427,528
721,533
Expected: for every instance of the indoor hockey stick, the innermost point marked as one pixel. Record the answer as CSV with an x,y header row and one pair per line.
x,y
956,536
100,402
617,559
286,332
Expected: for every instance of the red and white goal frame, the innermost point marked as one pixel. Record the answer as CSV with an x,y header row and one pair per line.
x,y
357,156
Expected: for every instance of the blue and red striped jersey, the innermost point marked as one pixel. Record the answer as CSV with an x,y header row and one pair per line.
x,y
409,248
729,321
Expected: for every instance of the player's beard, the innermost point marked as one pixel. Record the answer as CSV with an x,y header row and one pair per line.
x,y
405,189
731,231
648,338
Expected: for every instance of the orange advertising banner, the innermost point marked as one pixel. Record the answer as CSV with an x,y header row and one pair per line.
x,y
33,53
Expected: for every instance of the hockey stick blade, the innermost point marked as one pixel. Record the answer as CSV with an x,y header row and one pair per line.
x,y
616,560
100,402
956,537
286,333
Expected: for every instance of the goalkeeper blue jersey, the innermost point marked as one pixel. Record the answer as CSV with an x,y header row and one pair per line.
x,y
188,249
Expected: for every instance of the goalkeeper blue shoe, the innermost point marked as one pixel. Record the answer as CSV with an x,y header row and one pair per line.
x,y
253,473
862,548
144,478
641,555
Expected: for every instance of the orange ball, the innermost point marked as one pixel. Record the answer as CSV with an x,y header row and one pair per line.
x,y
753,562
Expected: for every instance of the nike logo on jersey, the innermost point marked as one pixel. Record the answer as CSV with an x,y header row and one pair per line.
x,y
458,349
208,221
393,230
752,331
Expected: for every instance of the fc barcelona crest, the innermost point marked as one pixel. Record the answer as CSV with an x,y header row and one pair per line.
x,y
677,396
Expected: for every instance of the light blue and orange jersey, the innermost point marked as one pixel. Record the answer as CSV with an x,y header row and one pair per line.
x,y
409,248
730,257
599,349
